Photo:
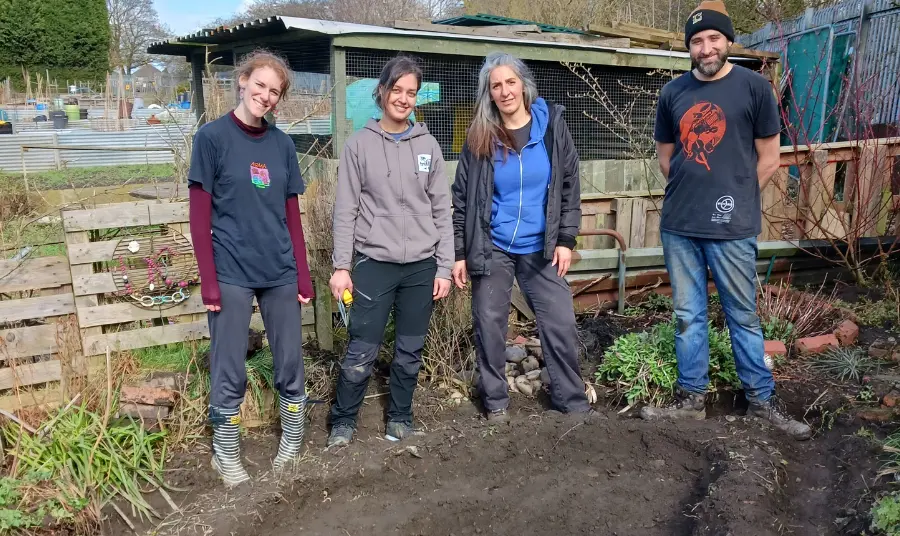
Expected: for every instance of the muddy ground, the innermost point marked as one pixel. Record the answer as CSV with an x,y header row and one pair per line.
x,y
544,474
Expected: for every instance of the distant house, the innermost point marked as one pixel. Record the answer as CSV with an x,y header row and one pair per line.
x,y
146,77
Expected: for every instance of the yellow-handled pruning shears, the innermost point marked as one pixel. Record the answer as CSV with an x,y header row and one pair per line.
x,y
345,302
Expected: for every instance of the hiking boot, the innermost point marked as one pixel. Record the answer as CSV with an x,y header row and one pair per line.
x,y
686,406
293,421
588,417
770,412
397,430
226,445
498,416
341,434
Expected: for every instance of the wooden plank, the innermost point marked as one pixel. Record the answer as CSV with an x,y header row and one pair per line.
x,y
776,209
92,284
654,217
323,320
588,221
31,374
168,213
142,338
523,31
27,399
608,196
106,217
638,223
40,307
29,341
116,313
623,210
593,208
817,191
33,274
100,251
873,178
124,215
78,271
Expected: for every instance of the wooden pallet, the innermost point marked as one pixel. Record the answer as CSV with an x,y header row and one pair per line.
x,y
122,325
38,333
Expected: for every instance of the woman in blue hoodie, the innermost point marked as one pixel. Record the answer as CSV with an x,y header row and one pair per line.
x,y
518,171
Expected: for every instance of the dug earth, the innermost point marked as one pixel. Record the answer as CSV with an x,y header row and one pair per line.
x,y
542,474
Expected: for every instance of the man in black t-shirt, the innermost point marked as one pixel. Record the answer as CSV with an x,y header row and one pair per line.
x,y
717,140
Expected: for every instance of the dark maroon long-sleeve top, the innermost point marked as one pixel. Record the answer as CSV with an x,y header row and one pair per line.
x,y
200,204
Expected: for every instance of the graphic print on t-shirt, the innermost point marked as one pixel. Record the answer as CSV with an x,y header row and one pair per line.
x,y
702,127
259,175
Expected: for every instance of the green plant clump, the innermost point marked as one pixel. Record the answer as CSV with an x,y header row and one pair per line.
x,y
886,515
644,368
778,329
86,458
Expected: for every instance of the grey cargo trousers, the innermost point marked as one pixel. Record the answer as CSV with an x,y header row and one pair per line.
x,y
549,297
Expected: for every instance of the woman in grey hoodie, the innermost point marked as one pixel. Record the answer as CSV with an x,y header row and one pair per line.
x,y
393,247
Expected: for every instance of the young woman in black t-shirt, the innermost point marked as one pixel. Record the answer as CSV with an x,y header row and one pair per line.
x,y
245,224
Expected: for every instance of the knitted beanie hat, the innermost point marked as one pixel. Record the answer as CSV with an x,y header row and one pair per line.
x,y
709,15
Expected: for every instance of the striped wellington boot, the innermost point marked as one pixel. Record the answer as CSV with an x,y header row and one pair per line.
x,y
226,458
293,421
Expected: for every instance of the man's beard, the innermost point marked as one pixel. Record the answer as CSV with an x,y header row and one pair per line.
x,y
711,68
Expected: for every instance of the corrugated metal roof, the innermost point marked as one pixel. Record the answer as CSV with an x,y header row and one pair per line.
x,y
315,27
482,19
165,135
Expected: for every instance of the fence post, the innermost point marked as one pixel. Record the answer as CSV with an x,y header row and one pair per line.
x,y
56,155
324,327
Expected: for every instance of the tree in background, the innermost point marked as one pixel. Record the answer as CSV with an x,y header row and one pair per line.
x,y
66,37
747,15
133,26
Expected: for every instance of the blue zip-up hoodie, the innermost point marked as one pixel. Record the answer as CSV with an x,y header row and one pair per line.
x,y
519,208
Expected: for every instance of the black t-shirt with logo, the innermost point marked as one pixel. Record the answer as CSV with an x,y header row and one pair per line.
x,y
249,180
713,187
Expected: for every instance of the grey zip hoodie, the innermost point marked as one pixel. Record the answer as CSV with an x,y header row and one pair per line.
x,y
393,200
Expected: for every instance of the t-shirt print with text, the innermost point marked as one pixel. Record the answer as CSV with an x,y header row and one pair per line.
x,y
259,175
702,127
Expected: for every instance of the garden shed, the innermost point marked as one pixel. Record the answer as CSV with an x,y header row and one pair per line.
x,y
609,86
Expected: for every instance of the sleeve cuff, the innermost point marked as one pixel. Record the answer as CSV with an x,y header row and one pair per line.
x,y
460,255
442,273
567,241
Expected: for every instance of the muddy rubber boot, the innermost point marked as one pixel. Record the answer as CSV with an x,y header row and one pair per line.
x,y
293,422
772,414
226,447
397,430
686,406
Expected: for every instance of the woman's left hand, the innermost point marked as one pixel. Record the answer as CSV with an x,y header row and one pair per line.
x,y
562,259
441,288
303,300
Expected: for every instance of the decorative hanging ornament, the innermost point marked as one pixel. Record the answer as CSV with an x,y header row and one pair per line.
x,y
158,276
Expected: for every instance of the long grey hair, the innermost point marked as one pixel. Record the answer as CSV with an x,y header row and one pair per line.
x,y
487,125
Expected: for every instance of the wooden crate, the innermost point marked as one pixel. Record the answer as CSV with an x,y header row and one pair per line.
x,y
121,325
38,333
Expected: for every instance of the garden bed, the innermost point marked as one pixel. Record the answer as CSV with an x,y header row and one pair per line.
x,y
548,473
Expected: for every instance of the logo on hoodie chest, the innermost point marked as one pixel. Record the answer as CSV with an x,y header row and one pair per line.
x,y
424,163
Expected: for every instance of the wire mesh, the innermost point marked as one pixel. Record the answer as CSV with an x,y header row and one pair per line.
x,y
610,110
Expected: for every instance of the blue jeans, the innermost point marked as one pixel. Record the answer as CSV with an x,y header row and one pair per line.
x,y
733,267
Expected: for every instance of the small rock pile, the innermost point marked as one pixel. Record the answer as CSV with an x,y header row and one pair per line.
x,y
525,370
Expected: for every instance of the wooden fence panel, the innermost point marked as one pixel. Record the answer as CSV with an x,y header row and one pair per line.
x,y
107,320
36,317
